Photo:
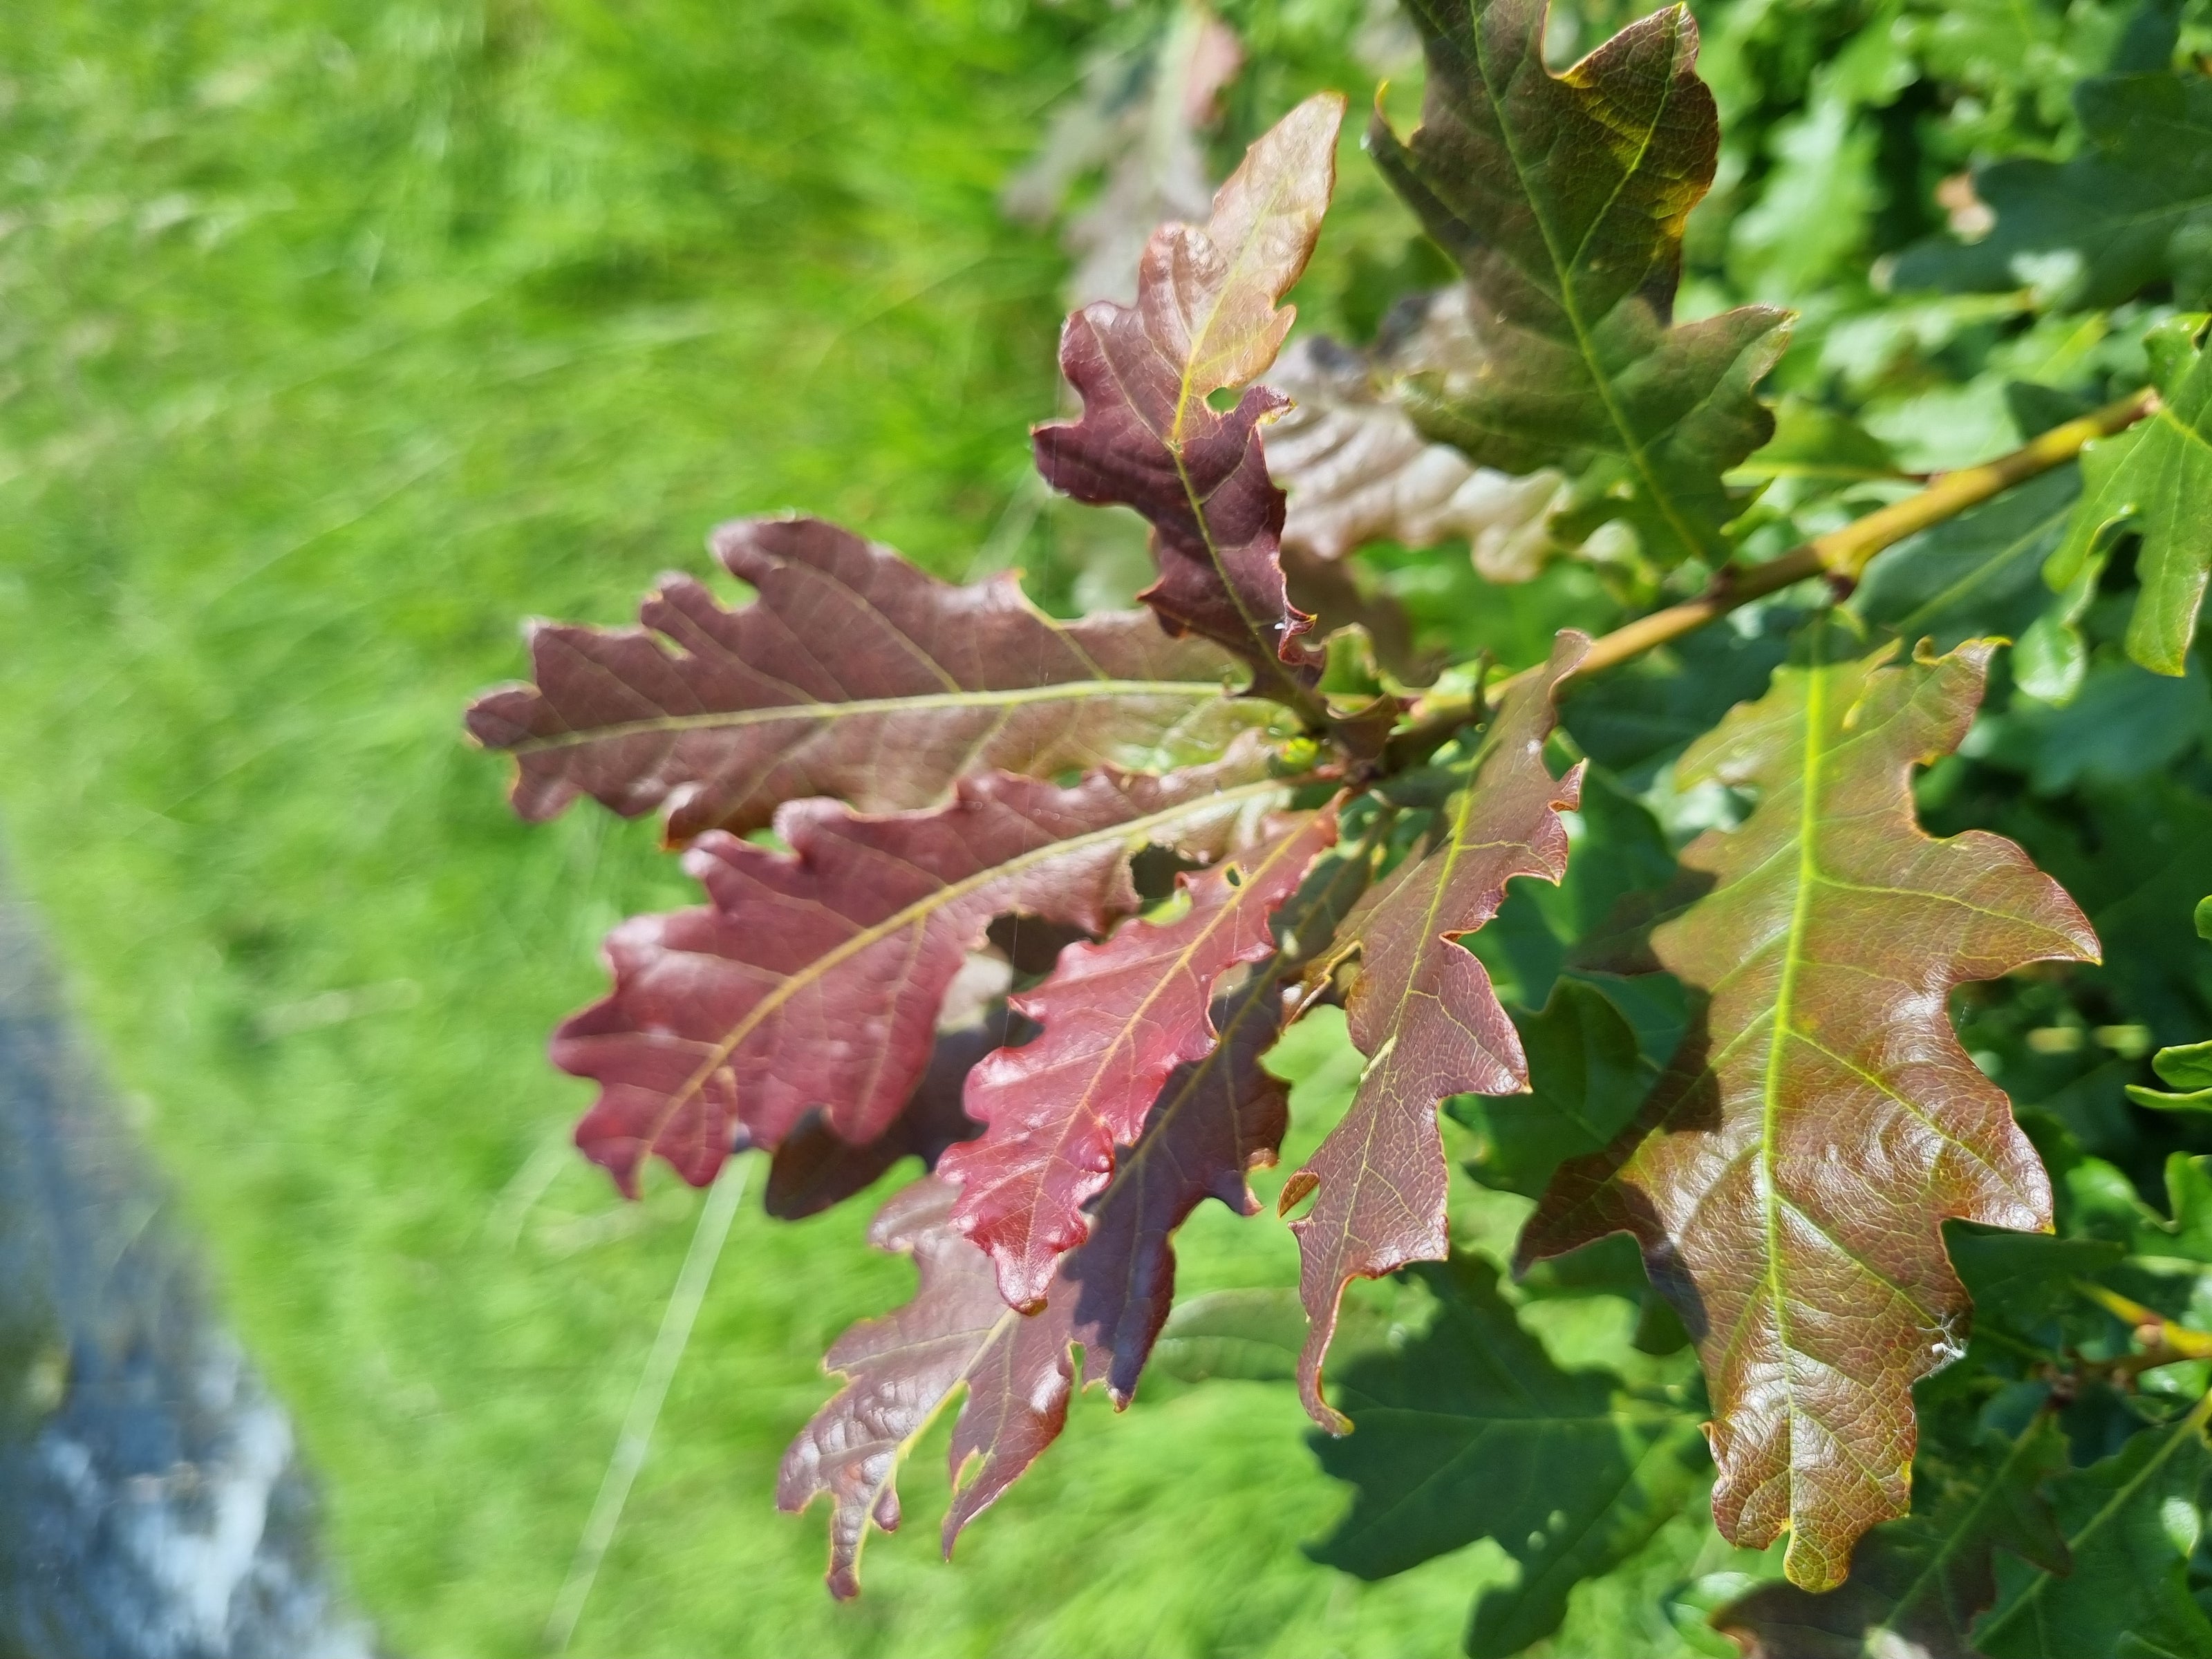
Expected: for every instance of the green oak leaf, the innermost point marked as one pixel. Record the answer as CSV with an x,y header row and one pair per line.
x,y
1470,1430
1917,1584
2132,209
2130,1523
1981,574
2151,480
1563,198
1587,1075
2189,1069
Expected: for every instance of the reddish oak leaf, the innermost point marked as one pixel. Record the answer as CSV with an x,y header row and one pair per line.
x,y
1790,1174
956,1332
1216,1118
814,977
814,1168
1118,1018
1424,1013
1206,319
853,675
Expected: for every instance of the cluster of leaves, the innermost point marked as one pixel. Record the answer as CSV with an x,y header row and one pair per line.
x,y
1818,1047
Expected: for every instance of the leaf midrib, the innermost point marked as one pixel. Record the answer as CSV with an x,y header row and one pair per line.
x,y
919,909
1779,1029
1563,271
785,714
2193,1424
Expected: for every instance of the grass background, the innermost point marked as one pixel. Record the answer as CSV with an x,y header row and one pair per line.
x,y
336,336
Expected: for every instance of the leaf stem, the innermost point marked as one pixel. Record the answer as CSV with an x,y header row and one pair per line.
x,y
1841,555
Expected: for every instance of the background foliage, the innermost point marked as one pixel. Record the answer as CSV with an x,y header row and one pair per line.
x,y
335,336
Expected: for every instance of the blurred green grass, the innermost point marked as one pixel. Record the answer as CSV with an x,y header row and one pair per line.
x,y
336,336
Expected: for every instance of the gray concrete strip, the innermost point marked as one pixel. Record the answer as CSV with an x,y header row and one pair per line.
x,y
153,1505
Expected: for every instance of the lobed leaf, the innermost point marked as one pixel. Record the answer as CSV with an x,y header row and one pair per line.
x,y
852,675
1789,1175
956,1332
1206,319
814,1167
1471,1432
814,977
1563,198
1980,574
1918,1585
2152,480
1215,1119
1117,1017
2130,209
1424,1013
2130,1524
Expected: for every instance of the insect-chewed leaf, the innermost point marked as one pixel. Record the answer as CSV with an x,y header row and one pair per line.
x,y
2131,1524
2153,479
1918,1585
1471,1432
1206,319
1118,1018
814,977
1563,197
853,675
2112,217
1424,1013
1790,1174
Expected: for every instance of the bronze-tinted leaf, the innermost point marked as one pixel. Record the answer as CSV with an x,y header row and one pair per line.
x,y
1790,1174
852,675
814,977
1424,1013
1206,319
1118,1018
1563,197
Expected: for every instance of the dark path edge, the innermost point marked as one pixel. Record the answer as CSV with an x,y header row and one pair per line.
x,y
152,1501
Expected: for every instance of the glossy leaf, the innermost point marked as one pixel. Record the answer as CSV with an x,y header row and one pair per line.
x,y
852,675
1470,1431
2153,479
1790,1174
1216,1118
1424,1013
1206,320
1563,198
2131,1523
1117,1017
814,977
1918,1585
2101,227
